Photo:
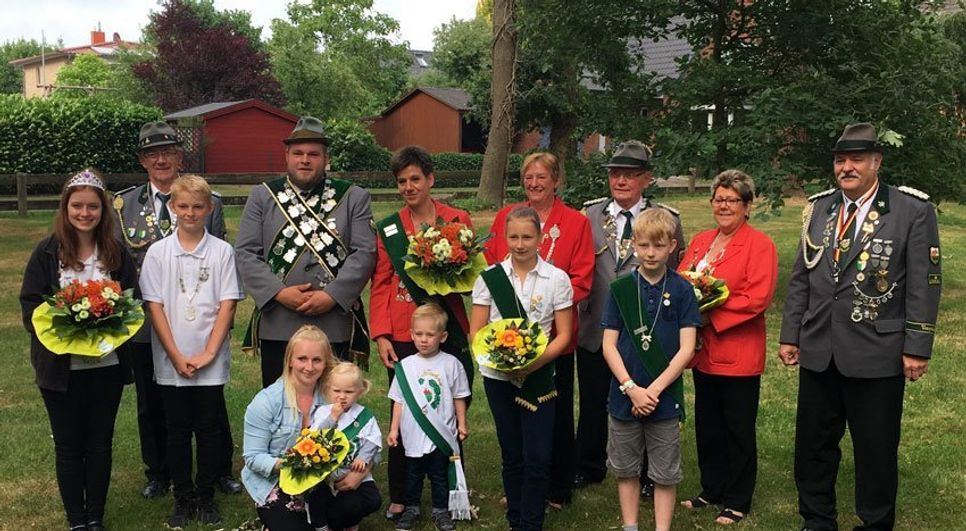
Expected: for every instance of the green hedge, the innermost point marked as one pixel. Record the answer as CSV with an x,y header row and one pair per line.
x,y
62,135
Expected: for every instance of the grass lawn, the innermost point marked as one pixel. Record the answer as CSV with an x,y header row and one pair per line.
x,y
932,463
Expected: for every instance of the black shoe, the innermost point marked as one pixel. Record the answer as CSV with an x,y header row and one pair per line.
x,y
155,488
95,525
407,522
208,512
183,513
583,481
647,490
229,485
443,522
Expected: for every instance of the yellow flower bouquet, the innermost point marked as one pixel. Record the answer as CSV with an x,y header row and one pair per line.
x,y
445,258
509,344
316,454
711,292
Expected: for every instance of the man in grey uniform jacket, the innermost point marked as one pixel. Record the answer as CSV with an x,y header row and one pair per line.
x,y
306,248
144,218
629,175
859,317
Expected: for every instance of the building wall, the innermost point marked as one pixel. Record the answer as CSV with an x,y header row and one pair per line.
x,y
249,140
32,76
420,120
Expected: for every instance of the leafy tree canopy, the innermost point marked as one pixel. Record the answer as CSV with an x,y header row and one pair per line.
x,y
11,77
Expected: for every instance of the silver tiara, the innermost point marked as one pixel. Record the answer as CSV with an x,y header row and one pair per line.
x,y
85,178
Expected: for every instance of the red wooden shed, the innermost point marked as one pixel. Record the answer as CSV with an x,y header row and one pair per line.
x,y
234,136
434,118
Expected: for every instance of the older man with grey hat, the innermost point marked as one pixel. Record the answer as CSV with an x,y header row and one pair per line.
x,y
859,319
143,218
306,248
629,175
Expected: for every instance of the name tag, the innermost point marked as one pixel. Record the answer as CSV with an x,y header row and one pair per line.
x,y
391,230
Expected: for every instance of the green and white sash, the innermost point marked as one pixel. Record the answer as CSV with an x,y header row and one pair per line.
x,y
539,386
394,238
627,295
445,440
307,230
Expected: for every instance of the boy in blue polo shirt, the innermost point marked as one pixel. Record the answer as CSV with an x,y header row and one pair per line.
x,y
650,325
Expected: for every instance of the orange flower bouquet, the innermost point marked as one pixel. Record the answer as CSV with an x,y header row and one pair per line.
x,y
445,258
711,292
509,344
92,318
316,454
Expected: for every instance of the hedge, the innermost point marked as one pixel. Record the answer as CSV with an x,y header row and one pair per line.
x,y
62,135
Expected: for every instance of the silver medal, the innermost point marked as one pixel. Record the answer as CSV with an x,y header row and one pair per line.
x,y
190,313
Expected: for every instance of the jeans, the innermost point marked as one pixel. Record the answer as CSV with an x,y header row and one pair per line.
x,y
436,466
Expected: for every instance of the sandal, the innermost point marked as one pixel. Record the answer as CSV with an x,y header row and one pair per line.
x,y
696,502
732,517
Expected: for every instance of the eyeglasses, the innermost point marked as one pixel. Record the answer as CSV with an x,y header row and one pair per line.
x,y
169,153
731,201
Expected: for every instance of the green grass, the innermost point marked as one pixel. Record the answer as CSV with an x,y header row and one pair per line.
x,y
932,491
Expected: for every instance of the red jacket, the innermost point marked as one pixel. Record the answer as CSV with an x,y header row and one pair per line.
x,y
390,306
733,343
573,251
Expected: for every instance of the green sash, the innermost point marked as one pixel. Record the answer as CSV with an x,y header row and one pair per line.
x,y
627,295
296,238
352,430
539,385
424,423
397,246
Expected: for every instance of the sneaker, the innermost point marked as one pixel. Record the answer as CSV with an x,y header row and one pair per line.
x,y
407,521
155,488
208,512
443,522
183,512
228,485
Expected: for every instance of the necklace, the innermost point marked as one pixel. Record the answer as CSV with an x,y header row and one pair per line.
x,y
523,286
190,312
648,335
709,260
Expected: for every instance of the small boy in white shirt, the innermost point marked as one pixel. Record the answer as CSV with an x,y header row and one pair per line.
x,y
432,384
190,285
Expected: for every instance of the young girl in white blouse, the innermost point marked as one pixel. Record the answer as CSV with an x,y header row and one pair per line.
x,y
522,401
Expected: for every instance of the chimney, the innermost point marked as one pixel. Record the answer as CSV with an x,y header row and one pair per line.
x,y
97,37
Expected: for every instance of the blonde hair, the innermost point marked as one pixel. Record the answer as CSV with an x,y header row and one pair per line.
x,y
524,213
346,368
654,225
191,184
312,334
547,160
432,311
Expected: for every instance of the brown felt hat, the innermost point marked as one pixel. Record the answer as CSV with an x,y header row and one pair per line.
x,y
308,129
631,154
857,137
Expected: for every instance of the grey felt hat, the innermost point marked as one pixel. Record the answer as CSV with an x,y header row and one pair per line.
x,y
155,134
308,129
631,154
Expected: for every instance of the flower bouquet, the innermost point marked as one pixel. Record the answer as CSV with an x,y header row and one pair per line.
x,y
509,344
711,292
445,258
92,318
316,454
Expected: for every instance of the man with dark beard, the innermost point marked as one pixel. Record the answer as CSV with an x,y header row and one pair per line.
x,y
305,250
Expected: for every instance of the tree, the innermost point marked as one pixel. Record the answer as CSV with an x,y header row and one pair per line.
x,y
336,58
503,86
86,70
196,62
11,77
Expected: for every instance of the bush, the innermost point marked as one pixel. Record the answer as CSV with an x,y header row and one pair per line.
x,y
63,135
586,180
353,148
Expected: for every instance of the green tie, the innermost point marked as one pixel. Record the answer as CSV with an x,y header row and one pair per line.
x,y
623,246
629,220
164,217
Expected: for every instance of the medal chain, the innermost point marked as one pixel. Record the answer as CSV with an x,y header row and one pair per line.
x,y
647,335
190,307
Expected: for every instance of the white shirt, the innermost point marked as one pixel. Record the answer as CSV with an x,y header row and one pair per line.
x,y
208,276
156,203
861,211
545,290
93,270
441,379
370,432
619,219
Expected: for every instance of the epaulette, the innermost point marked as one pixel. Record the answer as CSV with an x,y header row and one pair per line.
x,y
216,194
595,201
669,208
830,191
126,190
919,194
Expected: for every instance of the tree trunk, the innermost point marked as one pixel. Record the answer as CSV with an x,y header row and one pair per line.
x,y
564,124
502,88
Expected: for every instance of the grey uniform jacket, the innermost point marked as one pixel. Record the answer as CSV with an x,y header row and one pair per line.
x,y
261,222
900,273
137,228
590,310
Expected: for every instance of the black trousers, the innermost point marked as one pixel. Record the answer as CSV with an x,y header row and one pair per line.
x,y
198,411
593,381
273,358
338,512
872,409
562,463
82,422
725,415
152,427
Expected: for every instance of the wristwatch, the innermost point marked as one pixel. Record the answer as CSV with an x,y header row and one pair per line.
x,y
627,386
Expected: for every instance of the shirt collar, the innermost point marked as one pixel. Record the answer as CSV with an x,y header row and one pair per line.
x,y
543,268
615,209
200,250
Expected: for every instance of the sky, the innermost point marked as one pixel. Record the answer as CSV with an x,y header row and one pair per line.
x,y
73,20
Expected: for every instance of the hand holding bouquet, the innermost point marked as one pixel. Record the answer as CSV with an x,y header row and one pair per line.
x,y
711,292
445,258
92,318
509,345
316,454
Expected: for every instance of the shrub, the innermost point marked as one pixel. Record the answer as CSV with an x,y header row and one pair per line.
x,y
353,148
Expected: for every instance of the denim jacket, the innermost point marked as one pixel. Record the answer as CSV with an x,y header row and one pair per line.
x,y
270,430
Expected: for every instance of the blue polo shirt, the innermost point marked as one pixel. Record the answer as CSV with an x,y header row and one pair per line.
x,y
680,312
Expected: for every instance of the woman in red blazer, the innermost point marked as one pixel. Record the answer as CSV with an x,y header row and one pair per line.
x,y
569,245
727,369
391,306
